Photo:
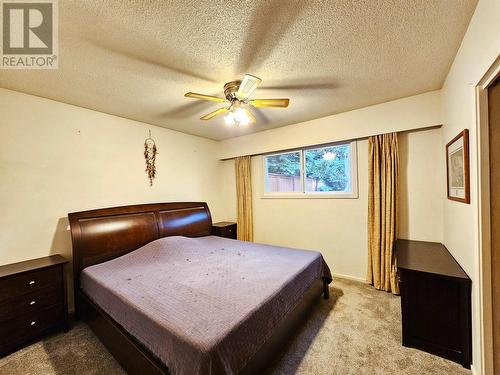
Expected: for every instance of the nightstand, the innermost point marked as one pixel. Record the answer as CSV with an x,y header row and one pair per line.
x,y
225,229
33,301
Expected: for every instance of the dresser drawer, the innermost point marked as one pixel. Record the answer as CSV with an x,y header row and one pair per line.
x,y
224,229
28,326
31,302
20,284
229,232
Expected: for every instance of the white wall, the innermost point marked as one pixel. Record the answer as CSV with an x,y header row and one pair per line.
x,y
421,185
57,158
338,227
479,49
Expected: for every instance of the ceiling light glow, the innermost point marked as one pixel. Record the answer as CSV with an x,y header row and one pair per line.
x,y
237,117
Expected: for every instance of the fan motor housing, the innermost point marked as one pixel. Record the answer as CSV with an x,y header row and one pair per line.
x,y
230,90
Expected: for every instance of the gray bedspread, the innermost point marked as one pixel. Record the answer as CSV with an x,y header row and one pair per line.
x,y
203,305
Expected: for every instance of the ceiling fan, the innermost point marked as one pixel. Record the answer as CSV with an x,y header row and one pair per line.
x,y
237,94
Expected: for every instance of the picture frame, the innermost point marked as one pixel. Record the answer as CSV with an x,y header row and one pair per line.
x,y
457,168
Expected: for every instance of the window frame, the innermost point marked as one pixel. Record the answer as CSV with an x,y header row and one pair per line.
x,y
301,174
353,194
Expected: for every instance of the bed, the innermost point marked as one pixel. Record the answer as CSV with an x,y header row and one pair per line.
x,y
166,297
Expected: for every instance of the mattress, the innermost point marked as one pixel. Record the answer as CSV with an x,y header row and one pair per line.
x,y
203,305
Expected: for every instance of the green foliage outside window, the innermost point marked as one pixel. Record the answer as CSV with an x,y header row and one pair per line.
x,y
326,169
329,168
284,164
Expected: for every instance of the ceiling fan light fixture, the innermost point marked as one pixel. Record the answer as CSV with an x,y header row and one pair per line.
x,y
237,94
237,117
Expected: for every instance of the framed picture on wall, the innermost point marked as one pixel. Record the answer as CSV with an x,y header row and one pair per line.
x,y
457,168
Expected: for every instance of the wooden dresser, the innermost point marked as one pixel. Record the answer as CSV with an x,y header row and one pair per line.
x,y
435,301
225,229
33,301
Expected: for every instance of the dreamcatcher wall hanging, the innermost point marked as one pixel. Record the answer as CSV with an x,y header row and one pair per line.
x,y
150,152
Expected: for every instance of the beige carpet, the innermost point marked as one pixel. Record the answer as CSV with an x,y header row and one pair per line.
x,y
358,331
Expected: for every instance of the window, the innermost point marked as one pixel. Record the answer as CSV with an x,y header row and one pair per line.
x,y
327,171
283,173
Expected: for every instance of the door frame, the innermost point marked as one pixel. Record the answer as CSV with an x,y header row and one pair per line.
x,y
484,224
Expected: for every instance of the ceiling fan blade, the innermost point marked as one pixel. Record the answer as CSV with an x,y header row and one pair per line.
x,y
195,95
277,103
250,115
213,114
247,86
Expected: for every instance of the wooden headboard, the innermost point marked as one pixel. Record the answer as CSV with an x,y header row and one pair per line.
x,y
107,233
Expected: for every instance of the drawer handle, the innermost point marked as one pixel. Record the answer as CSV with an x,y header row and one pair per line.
x,y
33,323
32,302
31,282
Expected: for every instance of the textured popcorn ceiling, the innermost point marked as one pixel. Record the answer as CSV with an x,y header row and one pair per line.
x,y
136,59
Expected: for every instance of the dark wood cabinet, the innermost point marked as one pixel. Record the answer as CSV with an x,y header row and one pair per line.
x,y
225,229
435,301
33,301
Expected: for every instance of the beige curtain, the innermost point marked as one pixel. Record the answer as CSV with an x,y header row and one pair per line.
x,y
243,166
383,165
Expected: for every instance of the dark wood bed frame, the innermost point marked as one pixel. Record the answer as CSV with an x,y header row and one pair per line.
x,y
103,234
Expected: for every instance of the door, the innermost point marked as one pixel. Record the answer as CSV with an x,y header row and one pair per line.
x,y
494,124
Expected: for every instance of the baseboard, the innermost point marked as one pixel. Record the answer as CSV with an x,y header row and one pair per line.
x,y
348,277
